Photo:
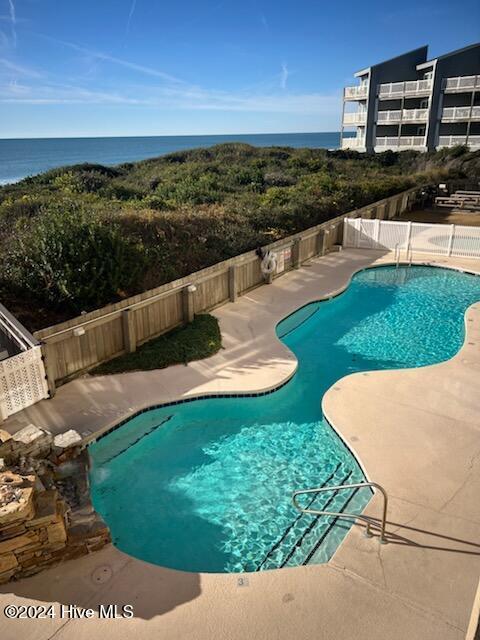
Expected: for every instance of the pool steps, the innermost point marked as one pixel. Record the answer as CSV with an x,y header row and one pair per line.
x,y
293,523
296,548
310,534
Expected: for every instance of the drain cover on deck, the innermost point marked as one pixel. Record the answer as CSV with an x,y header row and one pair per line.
x,y
102,574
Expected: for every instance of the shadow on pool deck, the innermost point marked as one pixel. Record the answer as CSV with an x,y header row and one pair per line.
x,y
150,589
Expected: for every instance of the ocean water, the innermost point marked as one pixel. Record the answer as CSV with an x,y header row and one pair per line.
x,y
207,485
20,158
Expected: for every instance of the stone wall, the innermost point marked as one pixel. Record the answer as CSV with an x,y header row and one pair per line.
x,y
45,511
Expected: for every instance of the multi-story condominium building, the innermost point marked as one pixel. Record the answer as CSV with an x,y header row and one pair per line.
x,y
410,102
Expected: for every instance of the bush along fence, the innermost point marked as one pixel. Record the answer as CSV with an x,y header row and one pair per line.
x,y
75,346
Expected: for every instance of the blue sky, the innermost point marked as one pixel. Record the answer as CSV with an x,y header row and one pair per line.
x,y
150,67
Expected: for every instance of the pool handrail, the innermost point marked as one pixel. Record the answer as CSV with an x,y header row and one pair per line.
x,y
397,255
347,516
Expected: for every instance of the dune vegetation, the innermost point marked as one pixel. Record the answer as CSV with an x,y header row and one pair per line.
x,y
79,237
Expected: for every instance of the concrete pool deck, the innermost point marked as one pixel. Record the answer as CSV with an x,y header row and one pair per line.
x,y
416,432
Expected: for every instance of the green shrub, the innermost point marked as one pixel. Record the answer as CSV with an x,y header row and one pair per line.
x,y
81,236
69,258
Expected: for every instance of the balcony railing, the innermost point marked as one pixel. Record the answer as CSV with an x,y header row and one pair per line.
x,y
408,88
359,92
455,114
353,143
360,117
450,141
385,117
415,115
461,83
402,142
407,115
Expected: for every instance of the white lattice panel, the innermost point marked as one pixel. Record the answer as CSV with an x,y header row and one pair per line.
x,y
22,381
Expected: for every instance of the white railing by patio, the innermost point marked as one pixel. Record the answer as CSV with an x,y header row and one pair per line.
x,y
408,88
461,113
415,115
402,142
360,117
355,93
353,143
452,141
436,239
461,83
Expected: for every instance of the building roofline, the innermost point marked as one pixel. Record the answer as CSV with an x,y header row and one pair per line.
x,y
363,72
447,55
424,48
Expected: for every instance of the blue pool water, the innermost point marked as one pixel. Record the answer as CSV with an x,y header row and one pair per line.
x,y
206,485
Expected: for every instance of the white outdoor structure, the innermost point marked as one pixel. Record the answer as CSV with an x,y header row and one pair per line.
x,y
22,381
437,239
22,372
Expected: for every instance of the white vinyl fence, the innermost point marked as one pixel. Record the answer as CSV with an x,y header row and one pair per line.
x,y
22,381
437,239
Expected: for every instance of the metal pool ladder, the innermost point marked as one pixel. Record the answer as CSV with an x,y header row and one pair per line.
x,y
397,255
347,516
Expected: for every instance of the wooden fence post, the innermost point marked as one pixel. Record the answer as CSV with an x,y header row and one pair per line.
x,y
49,369
129,330
326,238
296,254
188,303
232,283
319,249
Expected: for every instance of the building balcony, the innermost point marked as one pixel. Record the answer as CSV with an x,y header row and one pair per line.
x,y
407,89
359,92
415,115
389,117
397,116
357,143
359,118
451,141
461,84
460,114
399,143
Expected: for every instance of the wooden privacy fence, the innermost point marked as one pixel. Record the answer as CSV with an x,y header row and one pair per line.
x,y
77,345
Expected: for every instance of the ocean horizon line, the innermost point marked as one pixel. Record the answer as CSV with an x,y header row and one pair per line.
x,y
174,135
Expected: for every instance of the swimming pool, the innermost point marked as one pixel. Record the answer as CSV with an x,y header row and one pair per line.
x,y
206,485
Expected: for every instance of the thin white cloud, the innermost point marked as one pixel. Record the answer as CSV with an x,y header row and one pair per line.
x,y
284,76
3,40
99,55
60,94
13,21
185,98
264,22
130,15
171,93
18,69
